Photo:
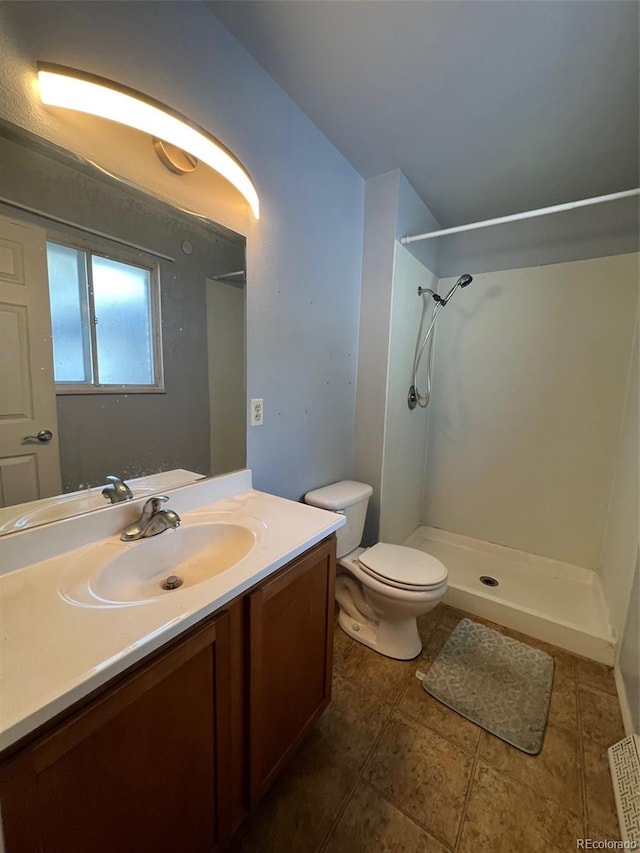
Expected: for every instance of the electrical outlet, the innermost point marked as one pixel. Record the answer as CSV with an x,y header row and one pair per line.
x,y
257,412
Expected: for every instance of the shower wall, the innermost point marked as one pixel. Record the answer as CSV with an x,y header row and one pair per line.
x,y
405,434
530,377
620,547
384,447
629,660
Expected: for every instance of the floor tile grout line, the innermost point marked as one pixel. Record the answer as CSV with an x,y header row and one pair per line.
x,y
583,774
339,814
393,706
380,735
529,787
448,738
396,709
360,777
465,805
430,832
593,688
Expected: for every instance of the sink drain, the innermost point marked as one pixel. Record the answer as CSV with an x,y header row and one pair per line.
x,y
487,580
172,582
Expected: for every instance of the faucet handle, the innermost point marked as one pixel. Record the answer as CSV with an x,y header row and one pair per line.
x,y
156,500
152,505
116,489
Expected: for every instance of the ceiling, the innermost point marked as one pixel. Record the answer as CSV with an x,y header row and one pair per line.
x,y
487,107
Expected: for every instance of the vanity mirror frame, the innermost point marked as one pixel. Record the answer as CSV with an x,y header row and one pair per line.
x,y
21,207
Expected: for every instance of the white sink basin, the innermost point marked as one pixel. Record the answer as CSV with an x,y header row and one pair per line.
x,y
193,553
61,506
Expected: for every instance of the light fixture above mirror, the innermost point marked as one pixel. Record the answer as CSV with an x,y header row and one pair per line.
x,y
97,96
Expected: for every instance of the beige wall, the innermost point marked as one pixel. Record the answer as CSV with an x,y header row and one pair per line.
x,y
530,378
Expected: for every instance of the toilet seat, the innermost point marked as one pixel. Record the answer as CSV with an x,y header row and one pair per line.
x,y
403,568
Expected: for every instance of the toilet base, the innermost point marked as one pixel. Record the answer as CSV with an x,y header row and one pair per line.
x,y
398,639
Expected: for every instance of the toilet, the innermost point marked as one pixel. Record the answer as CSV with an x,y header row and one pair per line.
x,y
382,590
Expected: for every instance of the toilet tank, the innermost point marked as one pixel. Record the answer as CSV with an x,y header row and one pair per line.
x,y
349,499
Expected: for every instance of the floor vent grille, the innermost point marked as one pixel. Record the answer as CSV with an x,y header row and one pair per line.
x,y
624,762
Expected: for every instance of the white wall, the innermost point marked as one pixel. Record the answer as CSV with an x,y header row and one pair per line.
x,y
392,208
530,376
405,435
620,549
373,347
303,256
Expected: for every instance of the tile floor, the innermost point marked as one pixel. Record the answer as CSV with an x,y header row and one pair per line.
x,y
388,769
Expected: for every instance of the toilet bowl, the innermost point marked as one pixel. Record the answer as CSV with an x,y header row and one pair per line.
x,y
381,591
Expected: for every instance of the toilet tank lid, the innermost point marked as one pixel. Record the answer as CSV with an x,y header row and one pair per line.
x,y
339,495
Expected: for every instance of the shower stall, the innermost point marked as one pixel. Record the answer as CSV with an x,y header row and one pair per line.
x,y
522,468
528,437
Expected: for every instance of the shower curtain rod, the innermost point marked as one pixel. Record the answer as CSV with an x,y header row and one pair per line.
x,y
515,217
227,275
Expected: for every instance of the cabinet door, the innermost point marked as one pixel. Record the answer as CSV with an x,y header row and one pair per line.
x,y
139,769
290,660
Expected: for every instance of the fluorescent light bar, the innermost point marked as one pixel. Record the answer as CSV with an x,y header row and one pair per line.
x,y
75,90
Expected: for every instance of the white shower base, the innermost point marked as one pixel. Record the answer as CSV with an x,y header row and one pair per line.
x,y
553,601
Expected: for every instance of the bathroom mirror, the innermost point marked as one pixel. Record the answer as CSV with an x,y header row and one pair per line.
x,y
158,383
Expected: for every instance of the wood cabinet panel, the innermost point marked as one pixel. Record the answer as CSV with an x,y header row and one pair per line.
x,y
290,660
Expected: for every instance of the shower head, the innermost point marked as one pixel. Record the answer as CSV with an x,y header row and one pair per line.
x,y
463,281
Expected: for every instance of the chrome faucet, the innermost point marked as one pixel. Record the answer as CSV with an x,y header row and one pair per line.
x,y
116,490
152,521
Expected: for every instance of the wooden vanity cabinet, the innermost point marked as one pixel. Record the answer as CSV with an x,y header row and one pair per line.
x,y
170,756
139,769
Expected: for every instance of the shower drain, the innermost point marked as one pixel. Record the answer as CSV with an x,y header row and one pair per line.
x,y
487,580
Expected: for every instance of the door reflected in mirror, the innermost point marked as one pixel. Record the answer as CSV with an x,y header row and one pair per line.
x,y
122,333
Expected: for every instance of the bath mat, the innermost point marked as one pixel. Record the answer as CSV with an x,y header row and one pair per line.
x,y
496,682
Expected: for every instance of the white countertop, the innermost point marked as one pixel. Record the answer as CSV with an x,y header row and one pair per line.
x,y
54,652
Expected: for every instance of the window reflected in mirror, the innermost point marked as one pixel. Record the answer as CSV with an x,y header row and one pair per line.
x,y
105,322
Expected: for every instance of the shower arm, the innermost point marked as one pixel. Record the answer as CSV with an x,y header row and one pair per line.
x,y
435,296
443,299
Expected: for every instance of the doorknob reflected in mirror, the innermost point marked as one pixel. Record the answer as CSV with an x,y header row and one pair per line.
x,y
44,435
